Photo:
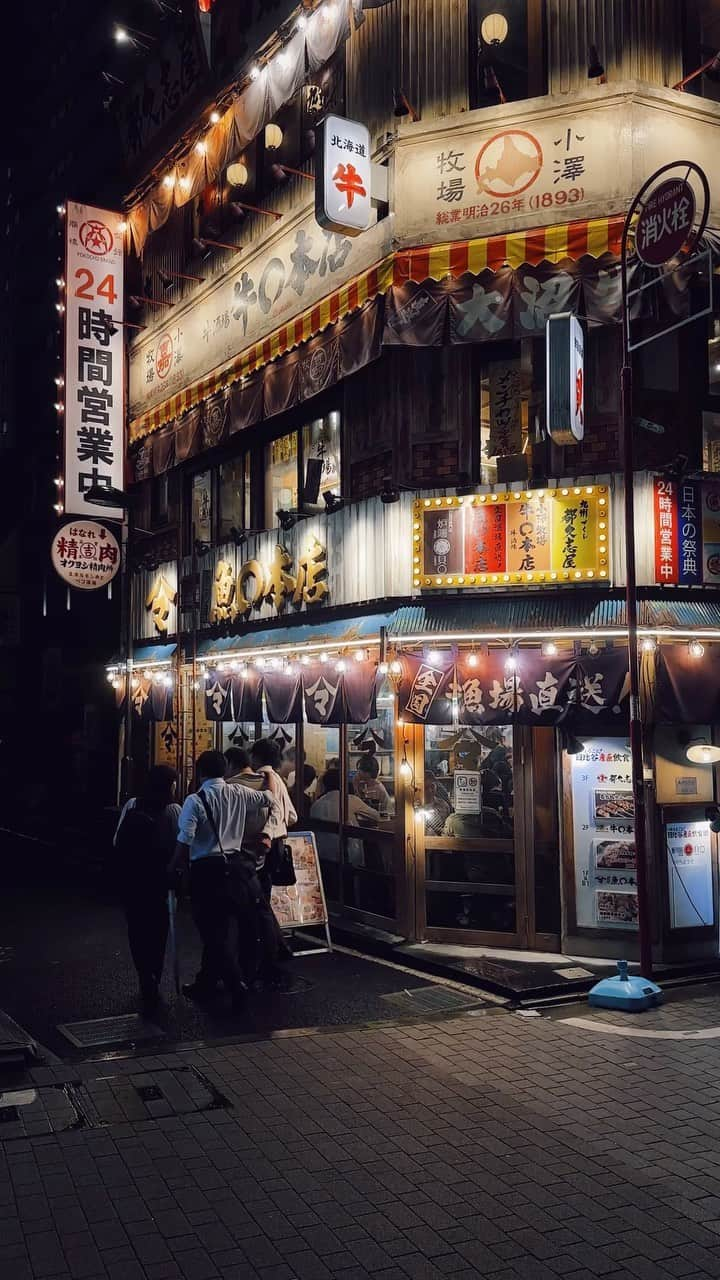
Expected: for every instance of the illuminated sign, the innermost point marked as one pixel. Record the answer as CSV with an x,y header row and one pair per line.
x,y
565,355
544,537
343,176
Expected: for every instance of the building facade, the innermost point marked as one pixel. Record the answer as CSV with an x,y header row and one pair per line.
x,y
356,527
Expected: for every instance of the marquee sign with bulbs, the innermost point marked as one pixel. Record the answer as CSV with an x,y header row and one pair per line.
x,y
540,537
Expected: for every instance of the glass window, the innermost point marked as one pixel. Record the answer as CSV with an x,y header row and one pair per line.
x,y
281,478
321,439
714,361
469,797
711,441
369,871
234,496
202,506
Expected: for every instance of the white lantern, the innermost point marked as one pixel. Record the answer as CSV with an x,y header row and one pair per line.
x,y
237,174
273,137
494,28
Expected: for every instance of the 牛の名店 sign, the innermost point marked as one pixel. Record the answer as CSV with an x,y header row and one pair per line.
x,y
94,371
544,537
343,176
687,531
565,376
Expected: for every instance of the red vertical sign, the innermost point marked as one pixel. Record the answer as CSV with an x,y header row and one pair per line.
x,y
666,534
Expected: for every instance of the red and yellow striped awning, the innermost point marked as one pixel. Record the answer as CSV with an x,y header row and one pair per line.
x,y
572,240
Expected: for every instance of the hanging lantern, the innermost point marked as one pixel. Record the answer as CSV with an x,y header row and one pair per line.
x,y
237,174
273,137
494,28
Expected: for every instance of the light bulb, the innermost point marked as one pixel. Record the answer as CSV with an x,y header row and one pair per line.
x,y
60,209
110,675
115,683
147,675
360,655
396,667
648,644
214,117
472,659
301,22
434,656
341,665
405,769
324,656
244,672
511,663
549,649
167,681
383,668
200,148
254,72
305,660
696,649
122,227
169,180
60,282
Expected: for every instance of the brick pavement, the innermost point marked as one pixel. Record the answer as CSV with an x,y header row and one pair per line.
x,y
480,1145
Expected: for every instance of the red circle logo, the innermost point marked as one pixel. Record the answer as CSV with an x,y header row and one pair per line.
x,y
687,850
508,163
164,356
665,223
96,237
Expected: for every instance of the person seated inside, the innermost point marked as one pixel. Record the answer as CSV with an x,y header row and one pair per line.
x,y
368,786
437,808
327,809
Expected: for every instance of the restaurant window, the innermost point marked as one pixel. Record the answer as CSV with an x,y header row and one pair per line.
x,y
469,829
506,49
321,439
202,506
233,496
281,477
507,404
369,881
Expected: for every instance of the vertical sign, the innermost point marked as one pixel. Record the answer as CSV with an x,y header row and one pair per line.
x,y
94,366
505,408
342,176
689,863
689,529
665,510
565,375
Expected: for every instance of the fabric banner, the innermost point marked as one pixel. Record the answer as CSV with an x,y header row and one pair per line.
x,y
218,698
688,688
415,315
247,693
152,701
283,697
545,687
323,694
216,419
505,408
426,689
601,692
360,685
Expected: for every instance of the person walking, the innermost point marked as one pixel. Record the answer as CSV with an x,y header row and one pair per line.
x,y
224,889
144,840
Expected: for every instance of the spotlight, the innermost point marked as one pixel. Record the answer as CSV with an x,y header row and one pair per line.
x,y
402,107
511,663
549,649
389,492
333,502
596,70
287,519
405,769
648,644
472,660
434,657
573,745
696,649
214,117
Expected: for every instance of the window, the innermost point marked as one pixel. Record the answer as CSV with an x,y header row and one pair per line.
x,y
160,500
202,506
711,442
233,496
321,439
506,50
281,477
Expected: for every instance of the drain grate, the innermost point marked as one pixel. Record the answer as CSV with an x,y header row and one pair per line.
x,y
128,1028
33,1113
434,999
149,1095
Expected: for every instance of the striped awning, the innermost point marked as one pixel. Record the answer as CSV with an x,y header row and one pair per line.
x,y
569,240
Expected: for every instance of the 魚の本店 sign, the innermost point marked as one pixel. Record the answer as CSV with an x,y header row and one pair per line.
x,y
545,537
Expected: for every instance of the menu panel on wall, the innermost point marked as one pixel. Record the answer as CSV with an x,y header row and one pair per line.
x,y
690,880
604,835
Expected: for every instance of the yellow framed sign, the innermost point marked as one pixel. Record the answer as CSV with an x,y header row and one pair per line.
x,y
543,537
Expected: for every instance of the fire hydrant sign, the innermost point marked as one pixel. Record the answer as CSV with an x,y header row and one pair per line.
x,y
94,372
665,222
343,176
85,554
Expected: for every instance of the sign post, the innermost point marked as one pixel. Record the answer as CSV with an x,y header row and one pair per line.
x,y
662,216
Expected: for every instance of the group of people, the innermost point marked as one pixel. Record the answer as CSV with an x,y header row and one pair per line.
x,y
222,845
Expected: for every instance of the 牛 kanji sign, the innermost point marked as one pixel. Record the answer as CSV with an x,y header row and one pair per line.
x,y
343,176
565,360
687,531
544,537
94,374
85,554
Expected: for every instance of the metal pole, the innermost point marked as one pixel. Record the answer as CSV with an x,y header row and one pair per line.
x,y
636,740
127,648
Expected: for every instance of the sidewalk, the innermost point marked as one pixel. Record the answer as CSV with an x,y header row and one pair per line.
x,y
482,1145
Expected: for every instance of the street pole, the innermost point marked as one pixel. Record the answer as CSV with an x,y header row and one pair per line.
x,y
127,656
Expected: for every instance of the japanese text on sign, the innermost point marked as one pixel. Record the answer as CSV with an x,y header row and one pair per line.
x,y
687,531
94,372
85,554
342,181
492,540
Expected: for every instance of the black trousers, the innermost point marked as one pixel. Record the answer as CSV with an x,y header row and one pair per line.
x,y
227,927
147,926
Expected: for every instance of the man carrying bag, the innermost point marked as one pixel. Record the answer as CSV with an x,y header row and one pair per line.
x,y
224,888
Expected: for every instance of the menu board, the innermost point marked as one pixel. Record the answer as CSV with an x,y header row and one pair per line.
x,y
302,903
492,539
690,879
604,835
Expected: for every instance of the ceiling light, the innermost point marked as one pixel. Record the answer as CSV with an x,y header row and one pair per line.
x,y
511,663
702,753
121,35
214,117
301,22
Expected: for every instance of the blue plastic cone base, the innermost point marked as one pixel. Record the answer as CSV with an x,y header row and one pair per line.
x,y
629,995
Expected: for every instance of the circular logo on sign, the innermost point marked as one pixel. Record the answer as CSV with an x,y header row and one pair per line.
x,y
85,554
687,850
508,163
441,547
665,222
713,565
164,356
96,237
712,501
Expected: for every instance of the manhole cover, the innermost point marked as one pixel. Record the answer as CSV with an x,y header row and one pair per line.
x,y
149,1095
32,1113
432,1000
129,1027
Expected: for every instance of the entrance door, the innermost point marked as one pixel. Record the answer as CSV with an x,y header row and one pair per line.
x,y
476,863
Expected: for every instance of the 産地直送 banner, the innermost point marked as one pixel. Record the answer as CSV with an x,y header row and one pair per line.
x,y
548,537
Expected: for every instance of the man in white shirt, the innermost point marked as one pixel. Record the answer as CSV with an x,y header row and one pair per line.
x,y
224,888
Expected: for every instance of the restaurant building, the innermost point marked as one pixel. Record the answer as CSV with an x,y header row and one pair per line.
x,y
357,527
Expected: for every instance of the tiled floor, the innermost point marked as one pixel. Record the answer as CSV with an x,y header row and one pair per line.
x,y
482,1145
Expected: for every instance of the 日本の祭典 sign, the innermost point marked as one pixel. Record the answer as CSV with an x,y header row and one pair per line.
x,y
343,176
94,365
85,554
